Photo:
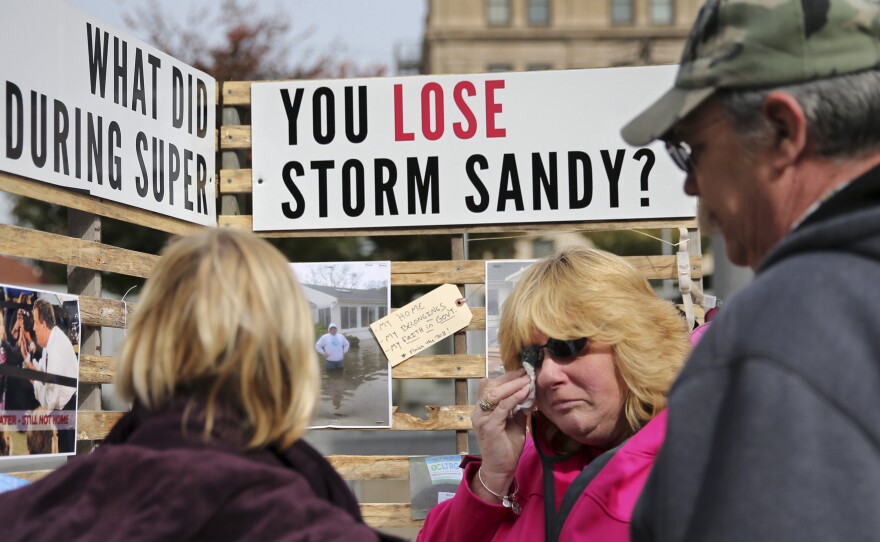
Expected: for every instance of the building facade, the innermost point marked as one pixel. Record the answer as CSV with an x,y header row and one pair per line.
x,y
479,36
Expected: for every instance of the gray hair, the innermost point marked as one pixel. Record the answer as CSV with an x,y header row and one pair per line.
x,y
843,113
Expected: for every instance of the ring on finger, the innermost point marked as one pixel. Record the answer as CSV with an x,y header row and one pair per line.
x,y
486,405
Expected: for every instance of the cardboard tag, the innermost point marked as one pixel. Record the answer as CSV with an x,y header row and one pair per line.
x,y
427,320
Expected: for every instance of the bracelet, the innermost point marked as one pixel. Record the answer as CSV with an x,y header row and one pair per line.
x,y
508,501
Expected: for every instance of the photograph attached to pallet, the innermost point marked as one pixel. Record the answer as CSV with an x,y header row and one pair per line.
x,y
39,372
344,299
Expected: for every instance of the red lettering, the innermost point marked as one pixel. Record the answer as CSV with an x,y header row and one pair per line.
x,y
399,134
439,121
493,108
458,94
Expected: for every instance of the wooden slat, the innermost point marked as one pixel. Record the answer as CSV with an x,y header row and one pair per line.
x,y
50,247
235,137
438,272
236,93
96,311
478,322
22,186
439,418
442,366
245,222
235,181
95,424
381,515
97,369
102,369
371,467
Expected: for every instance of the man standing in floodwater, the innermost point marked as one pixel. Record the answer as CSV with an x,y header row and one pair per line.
x,y
333,346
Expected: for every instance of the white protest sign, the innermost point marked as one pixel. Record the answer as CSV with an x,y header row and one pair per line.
x,y
91,108
416,326
459,150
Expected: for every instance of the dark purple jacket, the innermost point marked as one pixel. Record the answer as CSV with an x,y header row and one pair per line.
x,y
152,481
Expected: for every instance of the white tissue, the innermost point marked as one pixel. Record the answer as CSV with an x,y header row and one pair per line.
x,y
530,400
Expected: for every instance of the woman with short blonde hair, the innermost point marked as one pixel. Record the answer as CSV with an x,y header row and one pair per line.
x,y
218,364
603,351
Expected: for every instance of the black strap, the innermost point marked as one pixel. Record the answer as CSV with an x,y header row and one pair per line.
x,y
553,520
577,487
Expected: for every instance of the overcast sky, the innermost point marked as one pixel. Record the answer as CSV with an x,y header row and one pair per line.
x,y
364,31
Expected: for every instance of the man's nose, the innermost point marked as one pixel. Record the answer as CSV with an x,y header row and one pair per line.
x,y
691,188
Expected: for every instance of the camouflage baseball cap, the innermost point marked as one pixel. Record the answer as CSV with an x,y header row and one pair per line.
x,y
763,43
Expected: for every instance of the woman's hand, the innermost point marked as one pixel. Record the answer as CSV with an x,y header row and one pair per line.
x,y
501,437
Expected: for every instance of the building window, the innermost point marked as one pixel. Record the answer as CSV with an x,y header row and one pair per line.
x,y
539,12
349,317
368,315
621,11
498,12
493,68
324,317
383,312
539,66
661,11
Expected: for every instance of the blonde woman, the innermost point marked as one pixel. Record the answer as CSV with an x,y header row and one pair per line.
x,y
605,350
218,364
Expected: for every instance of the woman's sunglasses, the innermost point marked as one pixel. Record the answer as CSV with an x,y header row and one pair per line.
x,y
563,351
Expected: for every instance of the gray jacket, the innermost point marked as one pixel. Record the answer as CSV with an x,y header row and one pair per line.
x,y
774,423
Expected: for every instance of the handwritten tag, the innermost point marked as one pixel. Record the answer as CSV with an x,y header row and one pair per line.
x,y
427,320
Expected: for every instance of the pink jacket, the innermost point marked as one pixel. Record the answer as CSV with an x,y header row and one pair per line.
x,y
601,513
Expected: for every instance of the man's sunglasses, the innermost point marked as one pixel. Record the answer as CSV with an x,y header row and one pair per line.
x,y
563,351
680,152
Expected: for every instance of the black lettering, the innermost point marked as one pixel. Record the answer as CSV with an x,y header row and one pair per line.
x,y
613,172
189,106
201,108
120,72
361,134
540,179
201,184
509,187
158,169
326,95
424,184
97,58
582,158
473,205
187,179
294,191
141,184
139,90
322,166
155,63
176,97
77,116
62,127
14,133
38,149
292,110
385,185
114,139
94,144
359,200
173,170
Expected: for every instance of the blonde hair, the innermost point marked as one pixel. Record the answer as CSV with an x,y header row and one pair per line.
x,y
223,310
595,294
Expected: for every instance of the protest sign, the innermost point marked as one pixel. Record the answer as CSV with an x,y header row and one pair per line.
x,y
497,148
91,108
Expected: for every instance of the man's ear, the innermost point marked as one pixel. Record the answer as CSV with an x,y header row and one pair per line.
x,y
787,119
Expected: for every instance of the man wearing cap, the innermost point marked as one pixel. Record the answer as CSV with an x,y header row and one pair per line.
x,y
333,346
774,423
